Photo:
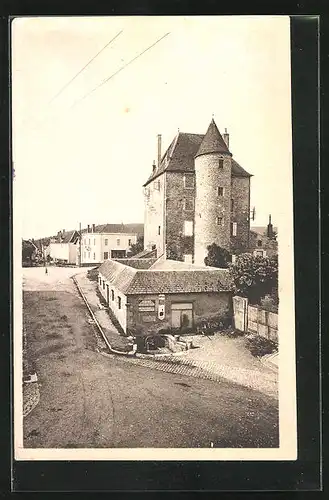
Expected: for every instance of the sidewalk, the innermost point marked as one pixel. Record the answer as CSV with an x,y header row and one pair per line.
x,y
89,289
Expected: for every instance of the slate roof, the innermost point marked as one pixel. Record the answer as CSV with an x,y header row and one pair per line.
x,y
213,142
133,228
132,281
180,155
67,237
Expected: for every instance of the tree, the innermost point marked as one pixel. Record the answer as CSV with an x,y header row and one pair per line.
x,y
254,276
217,257
137,247
27,251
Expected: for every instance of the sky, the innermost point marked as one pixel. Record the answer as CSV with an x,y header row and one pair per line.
x,y
85,160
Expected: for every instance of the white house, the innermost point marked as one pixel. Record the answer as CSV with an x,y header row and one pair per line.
x,y
99,243
63,248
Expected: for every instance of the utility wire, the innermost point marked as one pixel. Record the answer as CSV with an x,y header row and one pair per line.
x,y
85,66
121,69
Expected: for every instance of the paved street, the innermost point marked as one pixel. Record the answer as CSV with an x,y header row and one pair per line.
x,y
88,399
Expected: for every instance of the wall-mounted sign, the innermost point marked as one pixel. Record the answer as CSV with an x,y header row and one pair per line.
x,y
146,306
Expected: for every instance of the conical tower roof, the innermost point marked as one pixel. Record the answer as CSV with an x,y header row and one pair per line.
x,y
213,142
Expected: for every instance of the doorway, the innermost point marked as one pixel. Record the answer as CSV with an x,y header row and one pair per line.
x,y
182,315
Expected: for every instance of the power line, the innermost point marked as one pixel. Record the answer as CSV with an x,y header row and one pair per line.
x,y
121,69
85,66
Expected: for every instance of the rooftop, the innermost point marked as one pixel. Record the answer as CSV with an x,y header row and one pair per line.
x,y
180,155
168,277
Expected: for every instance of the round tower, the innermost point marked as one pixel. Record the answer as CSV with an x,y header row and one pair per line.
x,y
213,194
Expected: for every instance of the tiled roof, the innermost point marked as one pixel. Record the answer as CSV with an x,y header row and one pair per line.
x,y
181,153
67,236
134,282
212,142
132,228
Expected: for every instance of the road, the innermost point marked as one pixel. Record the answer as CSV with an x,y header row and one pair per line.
x,y
89,400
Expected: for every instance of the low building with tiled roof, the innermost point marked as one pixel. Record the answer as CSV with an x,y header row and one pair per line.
x,y
164,294
197,195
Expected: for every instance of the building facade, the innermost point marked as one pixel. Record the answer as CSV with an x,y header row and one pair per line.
x,y
197,195
64,247
108,241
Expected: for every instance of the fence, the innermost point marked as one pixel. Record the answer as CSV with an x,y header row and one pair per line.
x,y
254,319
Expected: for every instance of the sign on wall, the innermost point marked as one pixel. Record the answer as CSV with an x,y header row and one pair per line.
x,y
161,309
146,306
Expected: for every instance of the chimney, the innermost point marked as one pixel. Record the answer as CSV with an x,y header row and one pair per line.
x,y
226,138
63,232
154,167
88,229
269,228
93,228
159,150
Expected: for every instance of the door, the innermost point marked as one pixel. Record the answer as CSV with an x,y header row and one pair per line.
x,y
182,315
107,294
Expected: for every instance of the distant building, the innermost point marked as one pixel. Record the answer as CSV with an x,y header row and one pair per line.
x,y
63,247
197,195
263,240
108,241
149,295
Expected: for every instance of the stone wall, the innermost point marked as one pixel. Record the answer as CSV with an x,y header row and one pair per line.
x,y
177,243
206,306
209,206
240,213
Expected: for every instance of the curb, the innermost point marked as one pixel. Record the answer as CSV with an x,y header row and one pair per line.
x,y
113,351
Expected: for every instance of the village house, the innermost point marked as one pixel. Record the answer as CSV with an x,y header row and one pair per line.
x,y
108,241
150,295
263,240
196,195
63,247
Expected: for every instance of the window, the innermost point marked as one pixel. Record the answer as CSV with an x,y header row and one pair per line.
x,y
188,204
220,191
85,241
188,228
94,256
159,230
157,185
84,255
234,227
88,255
89,241
103,285
118,242
106,255
188,181
100,281
188,258
106,242
129,243
221,163
259,243
119,302
219,221
94,241
233,258
259,253
112,294
232,205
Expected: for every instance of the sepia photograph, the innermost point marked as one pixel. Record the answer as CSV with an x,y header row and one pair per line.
x,y
153,278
